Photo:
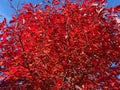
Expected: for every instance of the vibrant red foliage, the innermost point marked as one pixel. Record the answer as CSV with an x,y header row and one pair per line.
x,y
69,47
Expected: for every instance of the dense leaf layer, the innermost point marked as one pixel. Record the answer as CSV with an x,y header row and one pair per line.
x,y
72,46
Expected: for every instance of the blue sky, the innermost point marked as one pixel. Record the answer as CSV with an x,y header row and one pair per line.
x,y
6,11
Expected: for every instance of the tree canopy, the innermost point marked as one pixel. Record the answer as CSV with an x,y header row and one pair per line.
x,y
64,46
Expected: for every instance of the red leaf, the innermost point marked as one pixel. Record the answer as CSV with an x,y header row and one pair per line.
x,y
47,7
117,8
4,36
56,2
49,31
13,20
